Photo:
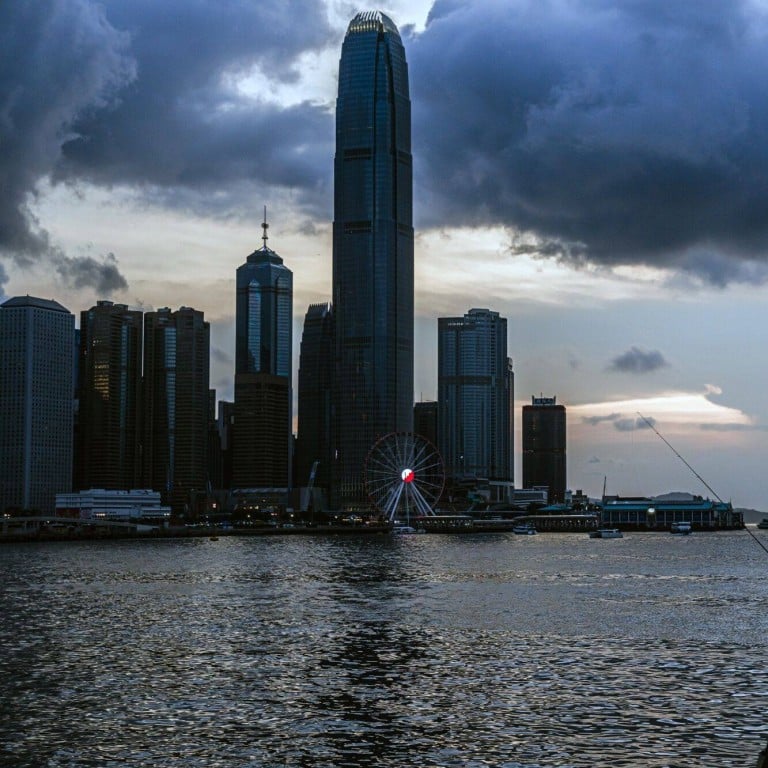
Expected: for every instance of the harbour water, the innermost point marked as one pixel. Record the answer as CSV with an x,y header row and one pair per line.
x,y
430,650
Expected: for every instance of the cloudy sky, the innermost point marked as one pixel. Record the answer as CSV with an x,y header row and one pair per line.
x,y
594,170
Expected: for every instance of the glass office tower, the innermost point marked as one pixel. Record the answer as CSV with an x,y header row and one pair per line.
x,y
108,444
475,388
176,407
263,350
264,313
372,248
36,387
313,443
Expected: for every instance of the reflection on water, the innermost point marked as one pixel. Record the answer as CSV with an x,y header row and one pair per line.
x,y
488,650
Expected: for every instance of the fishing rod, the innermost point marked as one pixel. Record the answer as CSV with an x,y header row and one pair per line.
x,y
703,481
762,758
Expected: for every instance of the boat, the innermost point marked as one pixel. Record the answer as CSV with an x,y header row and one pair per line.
x,y
606,533
402,529
763,523
681,528
524,529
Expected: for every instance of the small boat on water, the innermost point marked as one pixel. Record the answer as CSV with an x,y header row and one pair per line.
x,y
681,528
763,523
404,529
524,529
606,533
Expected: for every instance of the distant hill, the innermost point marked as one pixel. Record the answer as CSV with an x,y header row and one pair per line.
x,y
675,496
751,515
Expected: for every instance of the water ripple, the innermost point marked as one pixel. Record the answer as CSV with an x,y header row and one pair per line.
x,y
372,652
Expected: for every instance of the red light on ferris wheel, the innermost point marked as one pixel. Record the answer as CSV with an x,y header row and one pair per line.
x,y
407,475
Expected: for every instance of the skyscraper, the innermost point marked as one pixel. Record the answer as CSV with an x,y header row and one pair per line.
x,y
425,420
315,376
544,447
36,393
263,409
176,406
108,448
372,248
475,396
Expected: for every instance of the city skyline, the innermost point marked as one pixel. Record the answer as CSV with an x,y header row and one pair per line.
x,y
573,170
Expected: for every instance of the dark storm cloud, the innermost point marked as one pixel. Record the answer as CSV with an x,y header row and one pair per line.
x,y
184,128
87,272
636,360
617,132
630,425
139,92
607,131
221,356
595,420
58,58
620,423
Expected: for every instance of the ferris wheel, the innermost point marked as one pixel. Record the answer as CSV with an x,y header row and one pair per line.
x,y
404,475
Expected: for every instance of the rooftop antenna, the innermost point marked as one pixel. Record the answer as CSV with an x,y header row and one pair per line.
x,y
703,481
265,227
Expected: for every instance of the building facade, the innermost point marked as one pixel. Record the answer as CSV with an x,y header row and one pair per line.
x,y
662,514
544,457
262,429
372,249
425,420
36,392
262,444
126,506
315,392
108,445
176,407
475,397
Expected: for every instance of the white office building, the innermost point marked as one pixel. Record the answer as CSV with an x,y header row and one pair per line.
x,y
114,506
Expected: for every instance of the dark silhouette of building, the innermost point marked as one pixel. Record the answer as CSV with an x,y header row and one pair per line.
x,y
475,397
225,424
262,441
425,420
544,447
314,440
372,248
36,403
215,456
262,427
108,447
176,407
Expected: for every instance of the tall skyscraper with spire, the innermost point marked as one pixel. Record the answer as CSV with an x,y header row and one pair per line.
x,y
263,356
372,248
